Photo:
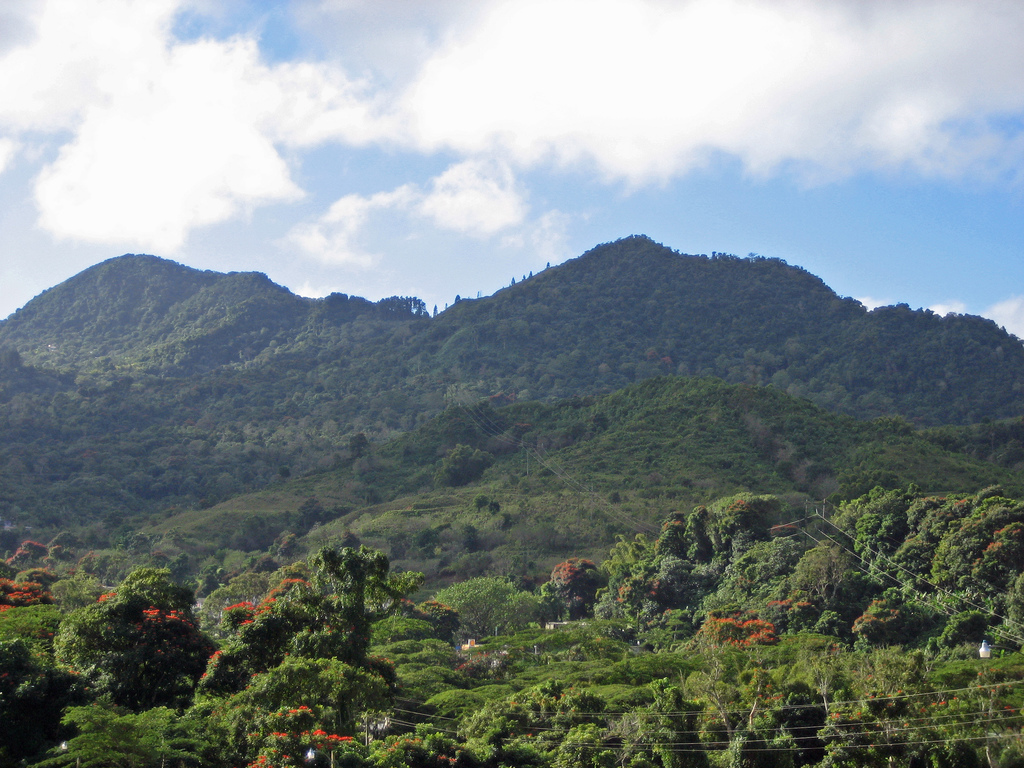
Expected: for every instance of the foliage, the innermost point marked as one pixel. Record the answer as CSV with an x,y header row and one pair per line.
x,y
300,703
22,593
141,385
33,695
802,602
139,644
575,583
489,605
149,739
76,591
329,616
462,465
36,624
740,631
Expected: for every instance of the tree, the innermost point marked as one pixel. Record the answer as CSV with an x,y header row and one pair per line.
x,y
15,594
462,466
576,582
358,445
283,711
32,696
140,644
740,631
37,624
488,604
151,739
328,616
297,664
422,749
545,712
582,748
10,359
443,618
76,591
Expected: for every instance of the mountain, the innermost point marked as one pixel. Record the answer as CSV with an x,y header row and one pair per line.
x,y
632,309
145,314
142,387
620,313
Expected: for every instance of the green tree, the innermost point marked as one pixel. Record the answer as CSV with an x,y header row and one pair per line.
x,y
151,739
32,697
282,711
140,644
666,730
462,465
544,713
583,747
36,624
76,591
488,604
422,749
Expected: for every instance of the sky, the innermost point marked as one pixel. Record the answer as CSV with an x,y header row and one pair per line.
x,y
436,148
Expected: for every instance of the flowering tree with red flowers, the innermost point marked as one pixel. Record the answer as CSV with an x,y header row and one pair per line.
x,y
16,594
328,616
27,553
297,662
575,582
140,644
294,733
738,630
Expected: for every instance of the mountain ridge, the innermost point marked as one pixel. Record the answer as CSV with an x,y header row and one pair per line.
x,y
619,313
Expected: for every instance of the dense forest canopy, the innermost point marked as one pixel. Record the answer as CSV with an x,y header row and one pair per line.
x,y
735,636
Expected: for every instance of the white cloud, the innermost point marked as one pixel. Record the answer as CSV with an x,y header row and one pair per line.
x,y
183,150
1009,314
164,136
870,302
8,149
311,291
157,137
333,238
949,307
391,38
550,238
474,198
647,89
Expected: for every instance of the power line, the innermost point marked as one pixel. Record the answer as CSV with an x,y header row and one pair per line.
x,y
867,567
944,693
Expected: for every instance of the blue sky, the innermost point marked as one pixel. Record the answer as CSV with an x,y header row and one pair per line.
x,y
439,148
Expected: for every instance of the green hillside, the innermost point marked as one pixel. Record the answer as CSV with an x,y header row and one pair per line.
x,y
141,388
564,479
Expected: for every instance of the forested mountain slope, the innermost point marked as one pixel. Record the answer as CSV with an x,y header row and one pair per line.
x,y
141,385
631,309
518,488
139,313
620,313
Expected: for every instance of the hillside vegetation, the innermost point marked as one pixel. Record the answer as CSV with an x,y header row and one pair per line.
x,y
141,387
847,637
514,489
618,314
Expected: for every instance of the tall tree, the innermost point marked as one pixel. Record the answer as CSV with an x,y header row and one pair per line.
x,y
140,644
